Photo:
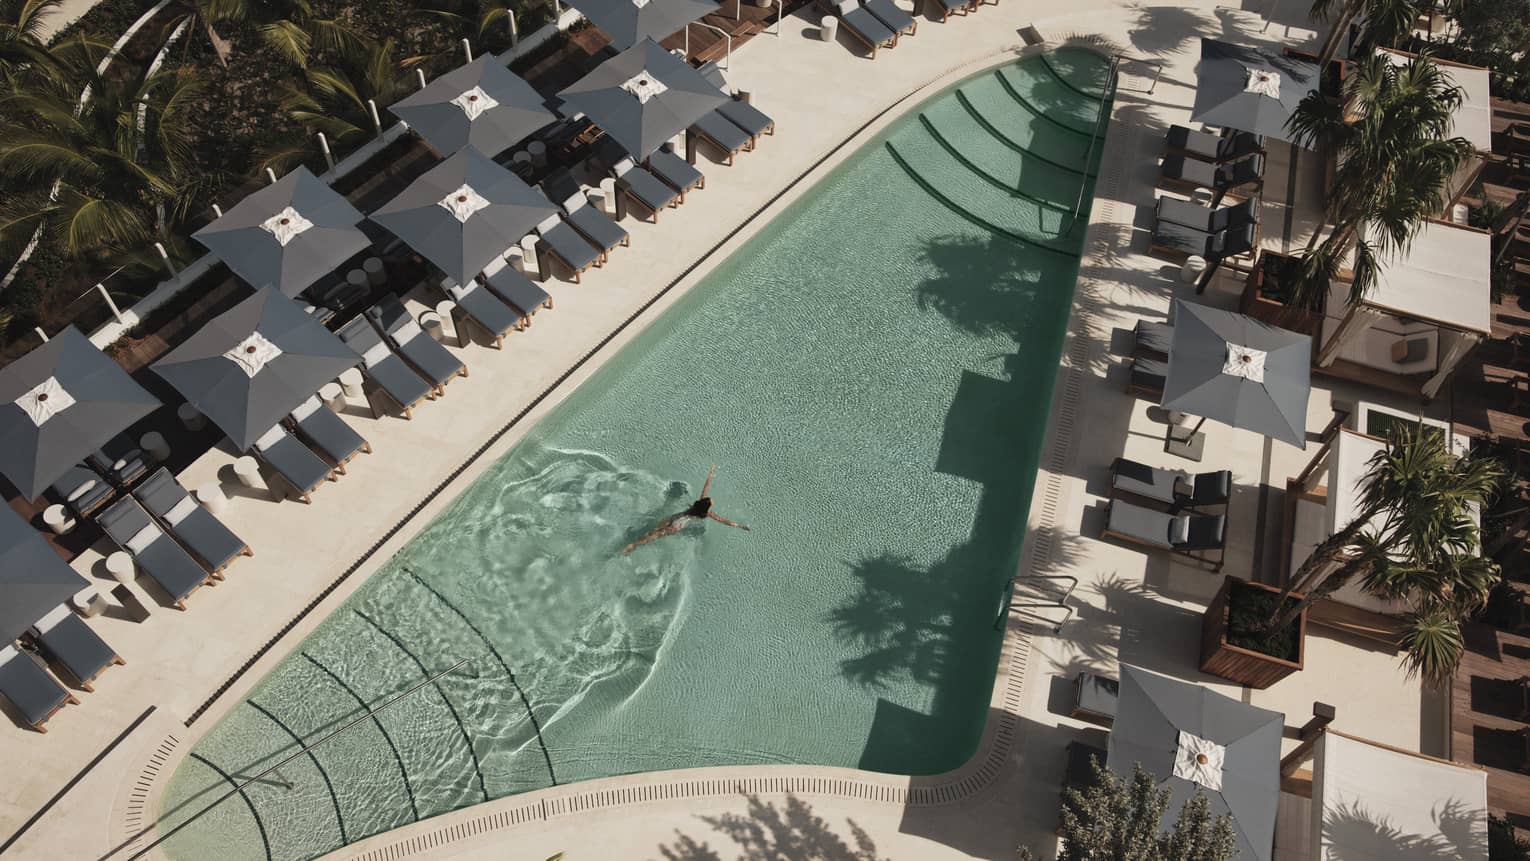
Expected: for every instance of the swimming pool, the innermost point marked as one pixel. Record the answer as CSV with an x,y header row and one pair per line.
x,y
870,373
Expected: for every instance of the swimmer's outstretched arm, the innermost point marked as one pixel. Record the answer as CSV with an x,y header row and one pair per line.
x,y
726,522
708,485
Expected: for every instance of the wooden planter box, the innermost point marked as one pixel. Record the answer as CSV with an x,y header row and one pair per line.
x,y
1255,304
1237,664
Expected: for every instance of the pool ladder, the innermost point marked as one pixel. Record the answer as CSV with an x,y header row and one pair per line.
x,y
1009,606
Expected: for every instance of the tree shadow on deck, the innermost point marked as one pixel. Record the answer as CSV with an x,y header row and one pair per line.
x,y
791,832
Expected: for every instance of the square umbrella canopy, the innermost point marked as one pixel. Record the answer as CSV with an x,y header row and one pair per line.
x,y
1239,371
58,404
464,212
1188,737
33,579
254,364
1250,89
482,104
642,97
287,235
628,22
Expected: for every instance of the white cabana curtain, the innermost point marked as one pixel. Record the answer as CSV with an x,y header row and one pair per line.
x,y
1354,324
1464,343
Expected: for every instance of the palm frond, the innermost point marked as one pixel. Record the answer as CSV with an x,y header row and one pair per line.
x,y
291,42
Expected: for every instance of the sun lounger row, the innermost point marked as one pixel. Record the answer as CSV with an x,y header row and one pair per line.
x,y
75,651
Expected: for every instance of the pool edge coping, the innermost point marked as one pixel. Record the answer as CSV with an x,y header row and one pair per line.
x,y
142,787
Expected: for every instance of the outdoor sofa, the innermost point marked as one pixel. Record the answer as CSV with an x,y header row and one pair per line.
x,y
327,434
207,537
384,370
29,688
294,463
1187,534
64,638
156,554
1172,487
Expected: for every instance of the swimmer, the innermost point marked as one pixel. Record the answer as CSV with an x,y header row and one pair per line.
x,y
701,509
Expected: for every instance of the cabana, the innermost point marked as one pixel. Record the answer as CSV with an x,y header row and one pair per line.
x,y
1374,802
1325,497
1473,120
1431,305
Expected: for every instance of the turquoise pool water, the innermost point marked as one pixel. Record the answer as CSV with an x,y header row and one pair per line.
x,y
871,375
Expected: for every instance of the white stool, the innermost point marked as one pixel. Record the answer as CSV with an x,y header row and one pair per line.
x,y
516,258
376,274
828,28
212,497
597,199
529,254
247,470
608,194
154,443
88,602
358,279
538,152
191,418
1194,266
351,383
333,396
520,159
56,518
120,566
432,323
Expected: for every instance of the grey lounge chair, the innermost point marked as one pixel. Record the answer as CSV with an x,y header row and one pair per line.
x,y
68,642
120,460
1095,697
515,288
424,353
1204,218
594,225
1189,174
720,132
36,695
194,526
1170,486
327,433
751,120
947,8
1187,534
1178,242
482,309
293,462
1212,147
561,242
888,13
157,555
643,187
1153,339
676,172
83,490
1146,378
864,27
384,370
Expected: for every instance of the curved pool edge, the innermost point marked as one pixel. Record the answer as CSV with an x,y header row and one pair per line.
x,y
138,796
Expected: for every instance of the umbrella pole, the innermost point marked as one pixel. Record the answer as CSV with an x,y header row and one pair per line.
x,y
1189,444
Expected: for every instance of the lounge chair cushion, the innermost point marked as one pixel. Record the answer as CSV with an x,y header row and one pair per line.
x,y
296,463
28,686
720,131
1140,524
514,287
1205,533
1154,336
332,436
548,223
142,539
647,188
1145,481
375,353
1096,696
270,437
1211,488
83,487
753,121
1179,530
77,647
407,332
567,244
306,409
194,526
180,510
674,170
53,617
1149,373
482,307
597,227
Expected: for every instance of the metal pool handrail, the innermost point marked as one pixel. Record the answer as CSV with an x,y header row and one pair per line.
x,y
303,750
1095,134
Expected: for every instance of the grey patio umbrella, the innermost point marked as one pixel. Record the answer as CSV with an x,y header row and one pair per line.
x,y
1189,737
642,97
253,364
1249,88
483,104
287,235
1239,371
58,404
464,212
33,579
628,23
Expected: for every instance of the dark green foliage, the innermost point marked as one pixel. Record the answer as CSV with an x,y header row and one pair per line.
x,y
1504,844
1247,612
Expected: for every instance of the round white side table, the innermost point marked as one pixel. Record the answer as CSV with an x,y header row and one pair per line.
x,y
247,470
1191,271
828,28
88,602
357,278
433,324
120,566
191,418
57,519
538,152
212,497
376,274
333,396
351,383
154,444
608,196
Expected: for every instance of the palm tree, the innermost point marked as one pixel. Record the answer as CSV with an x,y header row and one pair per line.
x,y
21,37
1391,142
488,24
207,14
104,177
333,100
1385,22
1414,538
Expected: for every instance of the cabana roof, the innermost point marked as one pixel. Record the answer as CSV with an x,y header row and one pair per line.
x,y
1371,801
1444,277
1474,118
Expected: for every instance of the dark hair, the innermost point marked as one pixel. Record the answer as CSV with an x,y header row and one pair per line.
x,y
700,507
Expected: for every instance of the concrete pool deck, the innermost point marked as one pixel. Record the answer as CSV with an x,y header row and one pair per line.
x,y
1131,606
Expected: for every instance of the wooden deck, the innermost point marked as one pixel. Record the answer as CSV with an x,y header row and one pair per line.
x,y
1489,395
1488,717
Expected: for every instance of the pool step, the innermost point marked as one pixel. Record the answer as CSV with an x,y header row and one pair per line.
x,y
1082,70
1046,96
1012,169
989,104
975,196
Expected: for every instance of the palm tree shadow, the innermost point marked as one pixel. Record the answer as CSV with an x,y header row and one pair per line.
x,y
1168,29
986,286
766,832
1351,831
